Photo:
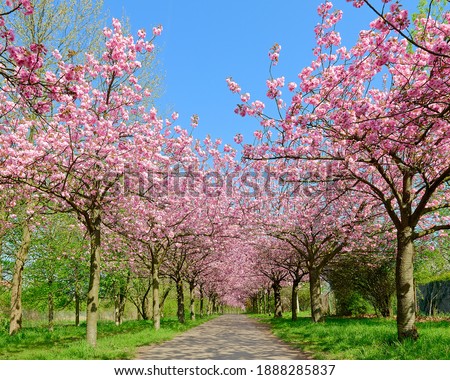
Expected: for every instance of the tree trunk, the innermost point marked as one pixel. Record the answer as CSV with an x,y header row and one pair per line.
x,y
163,299
1,254
77,296
142,303
254,300
315,295
155,288
214,304
191,301
294,299
384,308
119,307
77,305
145,305
406,308
261,301
51,307
94,282
123,290
209,308
278,313
16,292
382,304
138,312
180,301
202,302
415,297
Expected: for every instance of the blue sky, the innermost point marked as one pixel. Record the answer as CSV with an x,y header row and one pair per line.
x,y
204,42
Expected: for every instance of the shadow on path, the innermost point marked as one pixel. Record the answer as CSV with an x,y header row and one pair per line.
x,y
228,337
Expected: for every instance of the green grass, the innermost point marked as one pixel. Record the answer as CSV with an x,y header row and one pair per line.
x,y
362,338
68,342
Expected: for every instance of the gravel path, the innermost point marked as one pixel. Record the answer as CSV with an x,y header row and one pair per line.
x,y
228,337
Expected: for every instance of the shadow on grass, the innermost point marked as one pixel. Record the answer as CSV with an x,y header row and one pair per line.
x,y
68,341
362,338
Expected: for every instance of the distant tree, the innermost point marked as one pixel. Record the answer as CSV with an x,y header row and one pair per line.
x,y
57,270
370,276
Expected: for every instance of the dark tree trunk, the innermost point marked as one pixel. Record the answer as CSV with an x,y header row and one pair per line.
x,y
138,312
383,305
163,299
1,254
254,300
51,307
77,306
213,304
278,312
120,301
117,309
77,296
191,301
123,298
294,299
145,305
94,281
180,301
202,302
16,292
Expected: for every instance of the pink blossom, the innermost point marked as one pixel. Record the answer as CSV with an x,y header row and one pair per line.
x,y
274,54
258,135
324,8
292,86
357,3
194,121
107,32
157,30
238,138
56,54
245,97
141,33
233,86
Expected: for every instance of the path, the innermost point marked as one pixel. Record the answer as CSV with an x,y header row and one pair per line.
x,y
228,337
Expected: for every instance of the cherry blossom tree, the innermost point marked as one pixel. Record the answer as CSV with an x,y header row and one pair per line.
x,y
378,113
79,154
16,311
268,252
20,85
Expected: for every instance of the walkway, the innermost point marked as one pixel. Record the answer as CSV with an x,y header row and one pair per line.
x,y
228,337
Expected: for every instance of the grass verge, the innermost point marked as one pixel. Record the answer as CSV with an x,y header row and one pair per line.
x,y
362,338
67,342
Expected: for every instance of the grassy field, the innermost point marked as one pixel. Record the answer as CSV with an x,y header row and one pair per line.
x,y
362,338
67,341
